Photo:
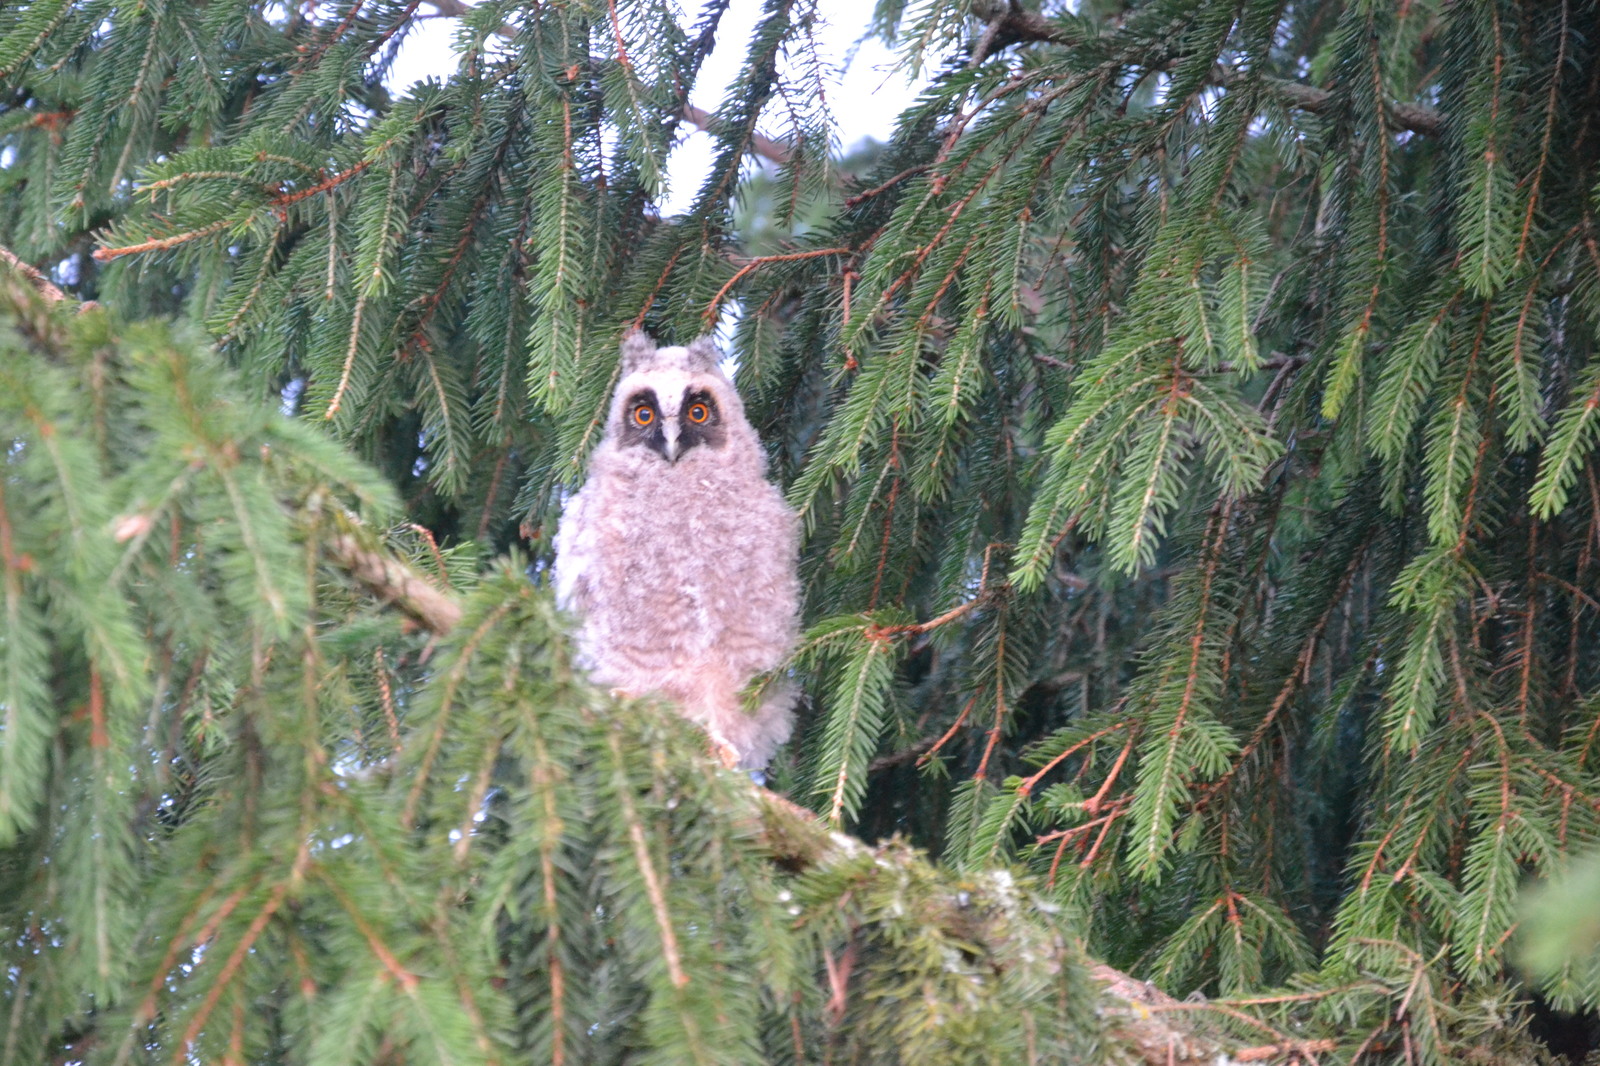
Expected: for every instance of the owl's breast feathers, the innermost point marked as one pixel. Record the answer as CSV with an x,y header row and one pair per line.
x,y
678,556
677,567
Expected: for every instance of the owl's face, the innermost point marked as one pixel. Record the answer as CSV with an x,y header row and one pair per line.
x,y
671,417
675,407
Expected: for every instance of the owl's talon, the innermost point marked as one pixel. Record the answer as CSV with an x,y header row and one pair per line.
x,y
726,752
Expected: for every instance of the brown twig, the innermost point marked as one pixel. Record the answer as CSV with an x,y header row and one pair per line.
x,y
1032,782
904,755
909,172
750,264
277,204
765,147
948,733
918,628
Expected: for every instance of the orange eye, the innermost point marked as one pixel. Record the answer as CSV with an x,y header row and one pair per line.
x,y
643,416
698,413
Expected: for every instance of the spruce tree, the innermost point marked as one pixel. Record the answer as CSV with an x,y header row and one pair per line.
x,y
1194,415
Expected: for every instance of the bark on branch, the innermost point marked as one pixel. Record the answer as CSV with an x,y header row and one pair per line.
x,y
765,147
35,276
1413,117
394,582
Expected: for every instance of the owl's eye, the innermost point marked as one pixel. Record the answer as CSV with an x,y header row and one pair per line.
x,y
643,415
698,413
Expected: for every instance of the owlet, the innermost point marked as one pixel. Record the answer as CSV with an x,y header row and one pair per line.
x,y
678,555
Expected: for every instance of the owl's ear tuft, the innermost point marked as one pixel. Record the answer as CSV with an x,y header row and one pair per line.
x,y
638,351
703,354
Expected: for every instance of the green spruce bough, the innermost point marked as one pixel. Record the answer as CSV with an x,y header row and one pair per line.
x,y
1194,414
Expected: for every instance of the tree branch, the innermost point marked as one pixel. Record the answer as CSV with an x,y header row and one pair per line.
x,y
1014,25
394,582
765,147
903,756
1414,117
1143,1019
34,275
386,577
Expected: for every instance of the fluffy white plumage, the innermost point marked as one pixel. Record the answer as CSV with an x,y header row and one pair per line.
x,y
678,556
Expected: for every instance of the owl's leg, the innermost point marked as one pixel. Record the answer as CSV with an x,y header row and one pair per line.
x,y
721,746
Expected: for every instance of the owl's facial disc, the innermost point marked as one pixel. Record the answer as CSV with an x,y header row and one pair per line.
x,y
672,430
699,421
643,424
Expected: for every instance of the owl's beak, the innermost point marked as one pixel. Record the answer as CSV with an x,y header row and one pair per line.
x,y
669,430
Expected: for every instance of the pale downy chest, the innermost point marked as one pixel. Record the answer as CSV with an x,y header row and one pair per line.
x,y
687,555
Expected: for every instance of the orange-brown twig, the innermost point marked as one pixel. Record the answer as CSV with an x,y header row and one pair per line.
x,y
948,733
750,264
1032,782
277,203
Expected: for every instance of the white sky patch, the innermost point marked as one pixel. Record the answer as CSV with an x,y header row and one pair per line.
x,y
865,93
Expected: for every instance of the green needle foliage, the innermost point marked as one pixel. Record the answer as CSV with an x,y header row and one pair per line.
x,y
251,817
1194,414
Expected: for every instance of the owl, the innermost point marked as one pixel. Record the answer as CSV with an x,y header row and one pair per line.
x,y
678,556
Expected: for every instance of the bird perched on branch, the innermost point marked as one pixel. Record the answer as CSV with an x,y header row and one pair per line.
x,y
679,557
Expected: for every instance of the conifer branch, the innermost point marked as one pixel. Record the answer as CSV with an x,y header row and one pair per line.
x,y
646,865
161,244
710,313
944,738
380,950
1014,24
773,151
258,925
904,755
798,841
1415,118
34,275
884,186
1092,805
394,582
277,203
